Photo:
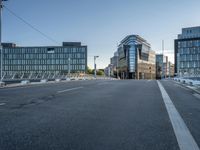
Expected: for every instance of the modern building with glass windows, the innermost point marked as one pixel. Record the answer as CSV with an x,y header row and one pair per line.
x,y
161,66
187,52
47,61
114,64
136,59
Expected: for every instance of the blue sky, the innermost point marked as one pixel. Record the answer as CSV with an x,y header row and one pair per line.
x,y
100,24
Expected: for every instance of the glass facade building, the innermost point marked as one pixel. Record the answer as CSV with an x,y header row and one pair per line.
x,y
187,52
44,60
161,66
114,64
135,58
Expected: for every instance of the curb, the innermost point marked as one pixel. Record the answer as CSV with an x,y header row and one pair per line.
x,y
187,86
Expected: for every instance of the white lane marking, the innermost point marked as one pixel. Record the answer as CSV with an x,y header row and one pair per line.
x,y
67,90
1,104
183,135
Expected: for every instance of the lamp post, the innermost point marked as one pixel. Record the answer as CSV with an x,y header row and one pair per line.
x,y
1,48
95,67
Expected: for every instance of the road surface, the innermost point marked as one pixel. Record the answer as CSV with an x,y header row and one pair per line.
x,y
99,115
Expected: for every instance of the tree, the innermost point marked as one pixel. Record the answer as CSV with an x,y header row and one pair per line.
x,y
100,72
89,71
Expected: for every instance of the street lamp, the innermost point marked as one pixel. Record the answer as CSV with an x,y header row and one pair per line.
x,y
1,6
95,67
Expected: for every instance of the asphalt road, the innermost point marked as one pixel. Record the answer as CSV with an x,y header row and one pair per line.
x,y
95,115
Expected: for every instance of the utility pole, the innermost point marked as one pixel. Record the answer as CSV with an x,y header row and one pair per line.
x,y
1,5
109,71
117,68
95,67
1,48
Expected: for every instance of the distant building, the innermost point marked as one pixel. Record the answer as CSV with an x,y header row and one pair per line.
x,y
114,64
8,45
171,69
136,60
187,52
46,60
114,59
108,71
162,66
146,68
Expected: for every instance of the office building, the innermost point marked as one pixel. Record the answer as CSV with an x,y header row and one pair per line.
x,y
136,59
187,52
114,59
171,69
162,68
114,64
108,71
29,62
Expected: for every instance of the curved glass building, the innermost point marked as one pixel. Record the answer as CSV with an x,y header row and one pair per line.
x,y
136,59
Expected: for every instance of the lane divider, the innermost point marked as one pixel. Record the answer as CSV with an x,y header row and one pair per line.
x,y
67,90
183,135
1,104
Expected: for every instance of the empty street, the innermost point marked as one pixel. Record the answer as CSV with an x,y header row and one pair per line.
x,y
99,115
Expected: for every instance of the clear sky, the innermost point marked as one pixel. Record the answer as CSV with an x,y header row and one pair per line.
x,y
100,24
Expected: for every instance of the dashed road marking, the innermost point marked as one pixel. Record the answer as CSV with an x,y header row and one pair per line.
x,y
1,104
67,90
183,135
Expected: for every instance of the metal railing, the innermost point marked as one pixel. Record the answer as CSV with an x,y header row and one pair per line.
x,y
16,76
